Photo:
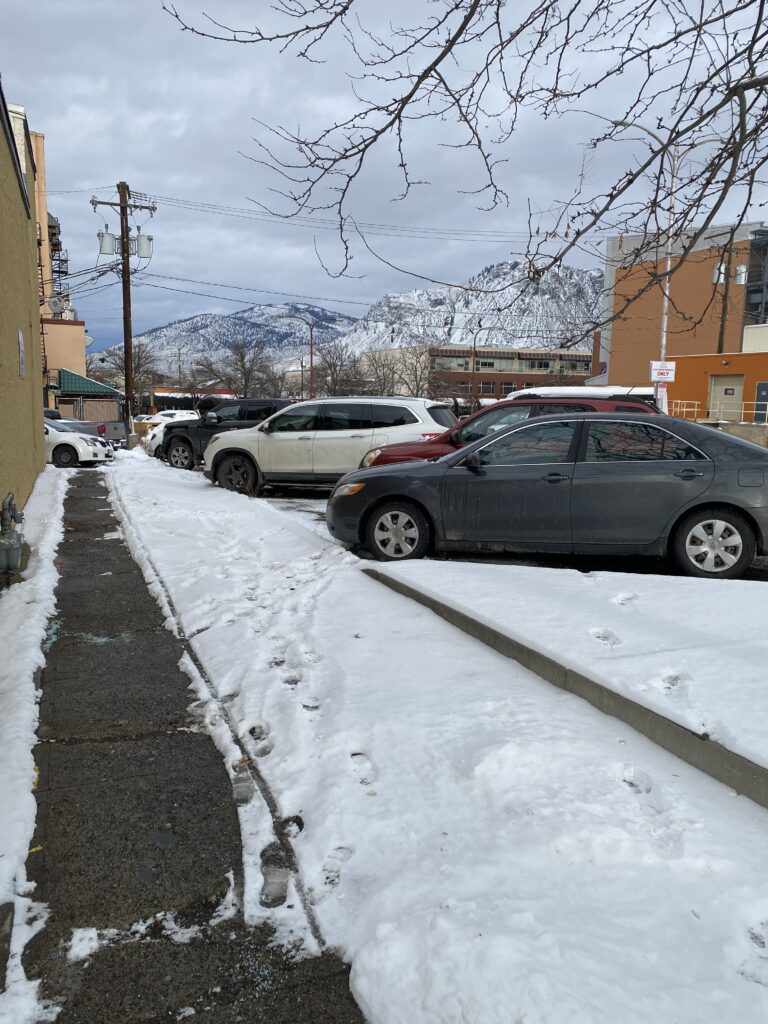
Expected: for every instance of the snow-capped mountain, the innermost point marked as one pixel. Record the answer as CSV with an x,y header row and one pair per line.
x,y
513,312
208,334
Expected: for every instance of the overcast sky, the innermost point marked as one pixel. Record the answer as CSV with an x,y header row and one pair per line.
x,y
121,93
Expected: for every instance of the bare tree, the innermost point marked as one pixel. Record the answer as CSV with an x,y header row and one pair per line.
x,y
683,80
241,368
338,370
146,372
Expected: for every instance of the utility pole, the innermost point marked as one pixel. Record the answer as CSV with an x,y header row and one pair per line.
x,y
311,325
126,206
475,397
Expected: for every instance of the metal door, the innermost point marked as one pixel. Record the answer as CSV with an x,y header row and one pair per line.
x,y
726,396
761,402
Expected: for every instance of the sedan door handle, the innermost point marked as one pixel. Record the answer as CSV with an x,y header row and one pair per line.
x,y
556,478
305,437
689,474
356,435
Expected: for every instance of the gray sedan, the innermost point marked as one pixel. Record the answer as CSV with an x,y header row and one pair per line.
x,y
586,483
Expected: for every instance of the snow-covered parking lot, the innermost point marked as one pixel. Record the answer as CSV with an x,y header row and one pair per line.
x,y
480,846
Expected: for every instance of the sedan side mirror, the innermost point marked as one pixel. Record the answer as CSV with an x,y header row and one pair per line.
x,y
473,461
211,417
266,427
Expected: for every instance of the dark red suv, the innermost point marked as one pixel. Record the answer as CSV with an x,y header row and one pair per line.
x,y
501,414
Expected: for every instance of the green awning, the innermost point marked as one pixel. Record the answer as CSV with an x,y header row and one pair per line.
x,y
71,383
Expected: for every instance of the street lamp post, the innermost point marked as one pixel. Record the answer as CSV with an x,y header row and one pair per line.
x,y
311,326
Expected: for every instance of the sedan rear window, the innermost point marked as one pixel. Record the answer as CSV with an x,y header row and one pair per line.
x,y
441,414
635,442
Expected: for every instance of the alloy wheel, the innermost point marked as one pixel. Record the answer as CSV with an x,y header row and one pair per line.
x,y
180,457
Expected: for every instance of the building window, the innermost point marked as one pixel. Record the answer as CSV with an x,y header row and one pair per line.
x,y
508,387
756,304
486,387
485,364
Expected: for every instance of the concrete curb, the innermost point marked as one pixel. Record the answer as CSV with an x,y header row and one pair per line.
x,y
742,775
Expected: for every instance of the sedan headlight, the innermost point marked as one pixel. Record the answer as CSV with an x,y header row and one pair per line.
x,y
345,490
370,457
91,442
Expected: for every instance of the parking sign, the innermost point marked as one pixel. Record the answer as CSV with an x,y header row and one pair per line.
x,y
662,372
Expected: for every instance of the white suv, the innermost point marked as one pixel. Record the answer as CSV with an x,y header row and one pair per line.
x,y
317,442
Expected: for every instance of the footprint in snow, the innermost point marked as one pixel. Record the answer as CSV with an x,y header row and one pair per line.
x,y
755,965
333,864
364,769
605,636
276,874
624,599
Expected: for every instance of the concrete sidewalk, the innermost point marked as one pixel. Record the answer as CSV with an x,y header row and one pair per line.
x,y
137,821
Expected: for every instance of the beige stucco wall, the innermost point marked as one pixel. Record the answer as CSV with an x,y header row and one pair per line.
x,y
22,449
65,345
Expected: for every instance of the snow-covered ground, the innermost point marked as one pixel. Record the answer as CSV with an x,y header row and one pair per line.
x,y
479,845
692,650
25,609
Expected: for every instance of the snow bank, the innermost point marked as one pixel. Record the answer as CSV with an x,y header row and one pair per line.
x,y
478,845
25,609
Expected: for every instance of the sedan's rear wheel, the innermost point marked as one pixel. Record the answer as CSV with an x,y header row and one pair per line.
x,y
714,543
238,473
180,455
65,456
397,531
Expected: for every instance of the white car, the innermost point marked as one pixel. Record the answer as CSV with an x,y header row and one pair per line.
x,y
169,416
317,442
154,439
66,447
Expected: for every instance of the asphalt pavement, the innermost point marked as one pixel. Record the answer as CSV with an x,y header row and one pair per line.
x,y
137,834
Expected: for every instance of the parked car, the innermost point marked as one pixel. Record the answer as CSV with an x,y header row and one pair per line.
x,y
318,441
169,415
51,414
496,417
65,446
153,441
586,483
184,443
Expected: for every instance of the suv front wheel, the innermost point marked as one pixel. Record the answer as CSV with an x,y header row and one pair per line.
x,y
180,455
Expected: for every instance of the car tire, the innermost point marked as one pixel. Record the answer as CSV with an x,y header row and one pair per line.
x,y
180,455
397,531
65,456
238,473
714,543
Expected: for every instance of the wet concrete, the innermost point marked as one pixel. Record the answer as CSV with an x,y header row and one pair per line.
x,y
136,818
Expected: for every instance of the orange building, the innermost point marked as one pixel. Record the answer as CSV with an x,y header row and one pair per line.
x,y
720,289
727,386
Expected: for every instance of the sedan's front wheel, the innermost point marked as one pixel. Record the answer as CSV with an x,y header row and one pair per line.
x,y
65,456
714,543
397,531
